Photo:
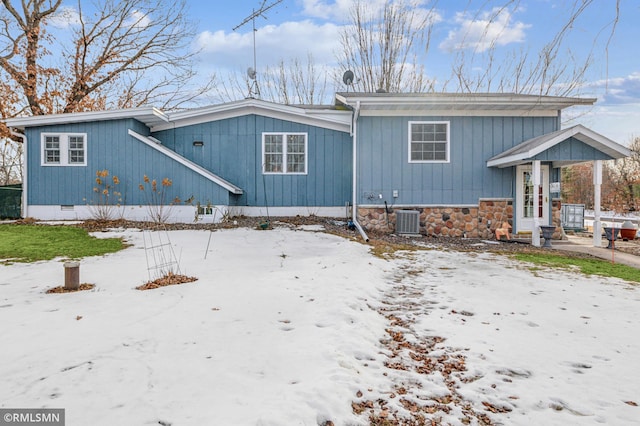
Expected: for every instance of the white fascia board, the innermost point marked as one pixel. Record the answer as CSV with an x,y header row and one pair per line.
x,y
458,113
580,132
586,136
473,101
187,163
612,148
147,115
343,100
512,160
341,117
329,119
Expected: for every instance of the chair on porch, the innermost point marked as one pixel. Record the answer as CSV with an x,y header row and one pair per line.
x,y
503,230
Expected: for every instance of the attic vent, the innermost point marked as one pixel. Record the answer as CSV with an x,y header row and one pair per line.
x,y
407,222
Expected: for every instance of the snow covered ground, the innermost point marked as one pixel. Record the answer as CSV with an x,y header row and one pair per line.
x,y
296,327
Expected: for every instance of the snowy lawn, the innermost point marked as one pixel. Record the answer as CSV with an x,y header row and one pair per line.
x,y
296,327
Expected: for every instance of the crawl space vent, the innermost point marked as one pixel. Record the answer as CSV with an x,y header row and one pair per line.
x,y
407,222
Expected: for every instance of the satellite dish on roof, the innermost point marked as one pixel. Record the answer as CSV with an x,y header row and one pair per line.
x,y
251,73
347,77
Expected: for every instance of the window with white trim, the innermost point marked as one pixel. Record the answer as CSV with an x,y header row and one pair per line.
x,y
428,141
76,149
64,149
284,153
52,149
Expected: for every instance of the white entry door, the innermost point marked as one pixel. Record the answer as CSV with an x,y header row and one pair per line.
x,y
525,201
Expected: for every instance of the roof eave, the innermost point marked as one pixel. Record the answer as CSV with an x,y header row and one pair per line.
x,y
443,100
147,115
507,161
327,117
580,132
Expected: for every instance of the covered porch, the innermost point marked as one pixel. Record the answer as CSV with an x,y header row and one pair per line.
x,y
536,160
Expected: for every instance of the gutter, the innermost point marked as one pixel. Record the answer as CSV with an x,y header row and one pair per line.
x,y
354,134
24,211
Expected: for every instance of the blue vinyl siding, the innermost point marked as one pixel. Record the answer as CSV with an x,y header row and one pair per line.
x,y
233,150
383,159
109,146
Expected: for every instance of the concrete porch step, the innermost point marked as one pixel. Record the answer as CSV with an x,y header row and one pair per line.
x,y
522,237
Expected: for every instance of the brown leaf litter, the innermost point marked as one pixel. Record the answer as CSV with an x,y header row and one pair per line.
x,y
169,279
62,289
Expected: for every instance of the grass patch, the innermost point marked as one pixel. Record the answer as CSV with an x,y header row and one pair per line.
x,y
586,266
30,243
382,249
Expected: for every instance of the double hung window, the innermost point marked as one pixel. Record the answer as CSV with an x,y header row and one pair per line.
x,y
284,153
64,149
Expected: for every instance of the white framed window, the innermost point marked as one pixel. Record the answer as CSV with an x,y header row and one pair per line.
x,y
205,211
51,149
76,149
64,149
284,153
428,141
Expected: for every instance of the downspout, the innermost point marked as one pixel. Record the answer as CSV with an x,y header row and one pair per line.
x,y
24,210
354,134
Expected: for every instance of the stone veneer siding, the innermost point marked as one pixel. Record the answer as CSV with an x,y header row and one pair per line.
x,y
470,222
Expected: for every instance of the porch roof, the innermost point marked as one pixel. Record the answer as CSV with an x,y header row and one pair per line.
x,y
562,147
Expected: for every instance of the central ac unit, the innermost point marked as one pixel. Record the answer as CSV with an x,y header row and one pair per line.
x,y
407,222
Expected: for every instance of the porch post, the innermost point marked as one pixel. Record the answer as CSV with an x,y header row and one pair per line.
x,y
535,234
597,183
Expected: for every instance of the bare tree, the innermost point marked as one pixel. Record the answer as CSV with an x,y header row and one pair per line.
x,y
11,158
620,182
577,184
556,69
117,54
10,161
122,54
295,82
625,179
386,48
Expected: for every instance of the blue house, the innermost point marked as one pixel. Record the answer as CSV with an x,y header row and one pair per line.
x,y
435,164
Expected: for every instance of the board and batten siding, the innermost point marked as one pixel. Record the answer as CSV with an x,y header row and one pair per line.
x,y
110,147
232,149
572,150
383,165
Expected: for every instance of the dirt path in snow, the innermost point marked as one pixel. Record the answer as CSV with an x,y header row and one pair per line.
x,y
415,359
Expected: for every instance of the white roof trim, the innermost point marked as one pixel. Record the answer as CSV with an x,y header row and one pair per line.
x,y
147,115
459,101
320,117
437,112
187,163
525,151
